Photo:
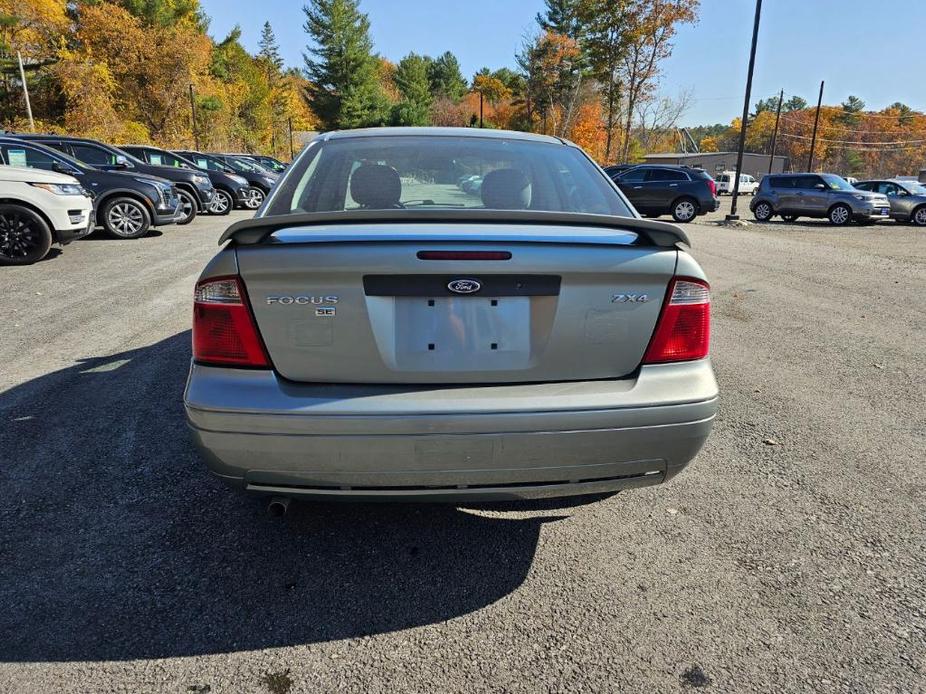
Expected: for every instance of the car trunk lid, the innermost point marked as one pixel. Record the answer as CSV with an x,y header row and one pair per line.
x,y
454,303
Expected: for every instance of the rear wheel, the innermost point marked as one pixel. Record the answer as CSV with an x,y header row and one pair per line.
x,y
24,236
187,207
919,216
763,212
684,210
222,202
840,215
125,218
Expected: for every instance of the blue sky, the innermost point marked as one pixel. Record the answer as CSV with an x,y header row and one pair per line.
x,y
852,44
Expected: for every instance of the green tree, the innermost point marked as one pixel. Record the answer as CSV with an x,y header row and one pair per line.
x,y
853,105
343,89
562,17
851,108
445,78
166,13
795,103
269,49
411,79
608,37
762,105
511,79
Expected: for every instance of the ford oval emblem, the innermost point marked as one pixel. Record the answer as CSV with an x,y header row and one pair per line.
x,y
464,286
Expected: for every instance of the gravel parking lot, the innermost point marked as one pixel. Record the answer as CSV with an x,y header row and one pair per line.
x,y
791,556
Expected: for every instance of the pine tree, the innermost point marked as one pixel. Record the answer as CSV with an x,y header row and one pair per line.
x,y
343,87
562,17
269,49
445,77
411,78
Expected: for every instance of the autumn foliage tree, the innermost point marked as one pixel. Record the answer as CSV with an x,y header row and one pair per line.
x,y
121,71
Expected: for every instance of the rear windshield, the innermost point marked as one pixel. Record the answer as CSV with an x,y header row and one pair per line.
x,y
430,172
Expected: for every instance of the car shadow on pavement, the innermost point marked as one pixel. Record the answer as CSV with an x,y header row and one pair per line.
x,y
115,543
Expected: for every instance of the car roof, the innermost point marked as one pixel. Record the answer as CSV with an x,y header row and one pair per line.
x,y
440,132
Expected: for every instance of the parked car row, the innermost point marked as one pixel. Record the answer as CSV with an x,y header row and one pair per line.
x,y
128,189
828,196
687,192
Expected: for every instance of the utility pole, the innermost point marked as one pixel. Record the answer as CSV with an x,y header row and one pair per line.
x,y
22,74
816,122
480,109
742,143
292,151
193,119
771,159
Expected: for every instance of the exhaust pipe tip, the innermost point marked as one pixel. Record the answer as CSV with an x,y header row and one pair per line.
x,y
278,506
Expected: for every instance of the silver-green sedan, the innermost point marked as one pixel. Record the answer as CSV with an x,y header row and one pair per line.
x,y
381,331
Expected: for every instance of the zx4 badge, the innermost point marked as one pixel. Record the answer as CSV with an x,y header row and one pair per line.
x,y
629,298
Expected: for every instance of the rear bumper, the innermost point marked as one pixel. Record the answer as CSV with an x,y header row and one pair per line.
x,y
270,436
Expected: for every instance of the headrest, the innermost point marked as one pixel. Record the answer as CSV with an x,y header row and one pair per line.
x,y
506,189
376,186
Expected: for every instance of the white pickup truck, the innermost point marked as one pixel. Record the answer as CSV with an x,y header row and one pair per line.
x,y
39,208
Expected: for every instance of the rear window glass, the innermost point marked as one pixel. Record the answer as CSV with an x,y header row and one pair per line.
x,y
430,172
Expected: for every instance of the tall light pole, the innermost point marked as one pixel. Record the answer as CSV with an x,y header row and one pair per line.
x,y
771,159
22,75
813,139
742,143
193,119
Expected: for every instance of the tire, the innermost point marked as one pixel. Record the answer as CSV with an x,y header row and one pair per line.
x,y
684,210
188,205
840,215
790,218
918,218
24,236
763,211
125,218
256,199
222,203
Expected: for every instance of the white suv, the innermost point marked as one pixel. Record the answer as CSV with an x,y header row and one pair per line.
x,y
39,208
725,181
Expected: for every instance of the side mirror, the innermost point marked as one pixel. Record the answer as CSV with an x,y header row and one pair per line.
x,y
122,162
820,186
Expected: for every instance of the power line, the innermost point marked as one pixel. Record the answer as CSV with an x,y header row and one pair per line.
x,y
836,127
856,142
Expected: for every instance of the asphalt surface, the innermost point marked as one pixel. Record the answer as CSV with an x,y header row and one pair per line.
x,y
791,556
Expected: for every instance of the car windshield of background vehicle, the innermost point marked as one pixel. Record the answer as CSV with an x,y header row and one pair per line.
x,y
837,182
165,159
914,188
246,166
415,172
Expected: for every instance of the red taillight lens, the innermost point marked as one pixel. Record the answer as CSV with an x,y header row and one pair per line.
x,y
224,333
683,332
713,186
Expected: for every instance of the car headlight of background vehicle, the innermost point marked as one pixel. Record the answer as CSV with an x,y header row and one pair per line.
x,y
240,180
162,188
269,181
201,180
859,197
62,188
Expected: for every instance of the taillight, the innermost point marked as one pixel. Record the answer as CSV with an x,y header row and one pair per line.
x,y
683,332
224,333
713,186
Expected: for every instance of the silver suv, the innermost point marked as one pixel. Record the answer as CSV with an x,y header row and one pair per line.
x,y
816,195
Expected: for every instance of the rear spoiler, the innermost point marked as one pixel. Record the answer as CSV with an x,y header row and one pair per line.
x,y
249,232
